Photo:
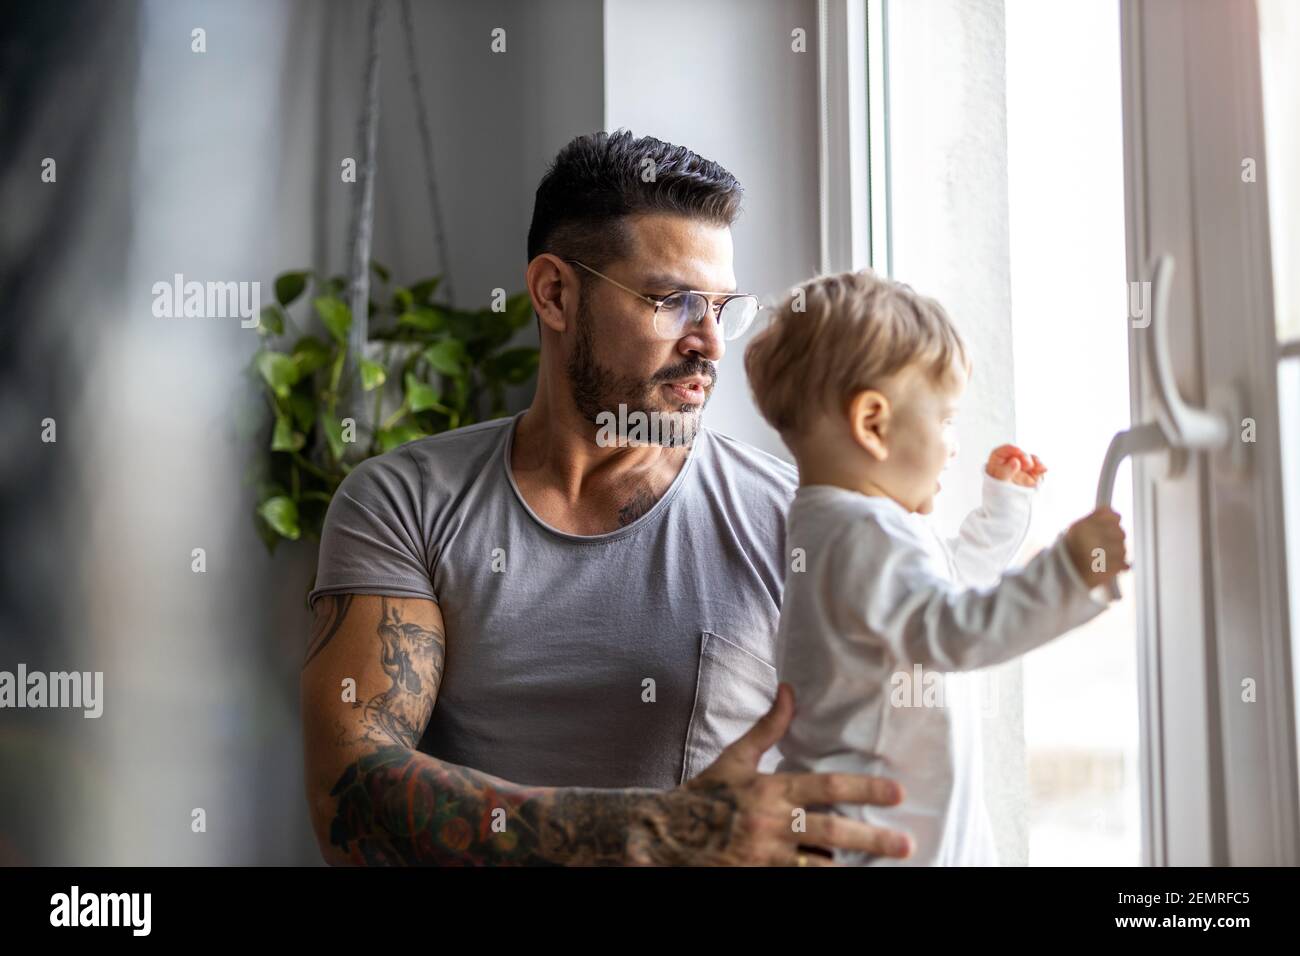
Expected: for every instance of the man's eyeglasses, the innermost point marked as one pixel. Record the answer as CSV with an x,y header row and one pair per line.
x,y
678,312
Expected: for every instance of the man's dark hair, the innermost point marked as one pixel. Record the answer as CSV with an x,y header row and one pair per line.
x,y
600,178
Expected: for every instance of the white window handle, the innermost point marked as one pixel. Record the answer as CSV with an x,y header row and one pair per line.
x,y
1178,427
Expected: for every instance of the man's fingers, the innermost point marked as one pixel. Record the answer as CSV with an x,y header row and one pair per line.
x,y
835,832
767,730
823,789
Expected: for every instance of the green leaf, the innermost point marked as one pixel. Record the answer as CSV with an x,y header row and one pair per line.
x,y
284,438
423,317
281,514
336,315
271,321
420,396
278,370
459,392
302,408
390,438
519,310
266,533
513,366
402,300
380,270
372,375
469,327
335,285
289,285
423,289
333,429
494,330
309,354
447,356
269,489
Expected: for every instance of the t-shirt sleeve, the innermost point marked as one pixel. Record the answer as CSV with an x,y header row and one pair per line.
x,y
904,602
991,535
372,541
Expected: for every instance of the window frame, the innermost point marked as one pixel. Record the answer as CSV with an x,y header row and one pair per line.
x,y
1220,779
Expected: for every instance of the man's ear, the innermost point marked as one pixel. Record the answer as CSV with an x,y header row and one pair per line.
x,y
869,417
554,290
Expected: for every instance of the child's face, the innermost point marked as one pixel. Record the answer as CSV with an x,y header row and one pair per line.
x,y
921,438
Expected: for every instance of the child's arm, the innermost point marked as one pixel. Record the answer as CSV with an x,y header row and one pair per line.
x,y
991,535
924,618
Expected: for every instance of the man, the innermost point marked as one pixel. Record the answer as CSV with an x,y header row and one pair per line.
x,y
562,640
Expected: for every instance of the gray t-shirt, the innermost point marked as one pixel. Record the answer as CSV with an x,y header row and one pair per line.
x,y
624,659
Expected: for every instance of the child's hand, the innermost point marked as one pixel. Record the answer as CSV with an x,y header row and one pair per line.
x,y
1097,540
1009,463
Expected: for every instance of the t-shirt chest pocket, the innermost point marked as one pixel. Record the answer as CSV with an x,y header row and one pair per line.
x,y
733,688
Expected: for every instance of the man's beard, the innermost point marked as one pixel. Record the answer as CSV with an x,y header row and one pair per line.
x,y
597,389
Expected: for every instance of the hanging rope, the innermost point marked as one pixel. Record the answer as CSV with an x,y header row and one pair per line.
x,y
363,219
326,176
426,141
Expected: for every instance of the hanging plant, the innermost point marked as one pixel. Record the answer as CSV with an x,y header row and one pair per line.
x,y
427,368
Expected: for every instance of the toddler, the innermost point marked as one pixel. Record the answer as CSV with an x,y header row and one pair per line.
x,y
862,377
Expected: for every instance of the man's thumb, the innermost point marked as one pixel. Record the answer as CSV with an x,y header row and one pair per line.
x,y
768,729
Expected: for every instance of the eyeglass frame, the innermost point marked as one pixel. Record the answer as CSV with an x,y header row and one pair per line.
x,y
658,301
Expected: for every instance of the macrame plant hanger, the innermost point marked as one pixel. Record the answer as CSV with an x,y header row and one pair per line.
x,y
361,232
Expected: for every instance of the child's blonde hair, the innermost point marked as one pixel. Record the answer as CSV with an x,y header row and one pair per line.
x,y
855,330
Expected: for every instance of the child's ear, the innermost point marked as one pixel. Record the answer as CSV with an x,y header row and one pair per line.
x,y
869,413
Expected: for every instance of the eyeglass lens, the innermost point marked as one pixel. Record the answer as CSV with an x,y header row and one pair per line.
x,y
684,310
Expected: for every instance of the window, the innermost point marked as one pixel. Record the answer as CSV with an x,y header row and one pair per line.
x,y
1002,151
1065,169
1279,36
1028,162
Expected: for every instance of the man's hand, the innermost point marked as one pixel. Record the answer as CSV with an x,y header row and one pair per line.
x,y
1096,546
733,815
1009,463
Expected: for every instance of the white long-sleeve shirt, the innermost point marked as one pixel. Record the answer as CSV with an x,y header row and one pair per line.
x,y
882,600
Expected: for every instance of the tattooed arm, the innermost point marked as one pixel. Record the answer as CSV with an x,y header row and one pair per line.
x,y
377,800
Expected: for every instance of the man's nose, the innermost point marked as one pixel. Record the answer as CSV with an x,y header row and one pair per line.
x,y
705,339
